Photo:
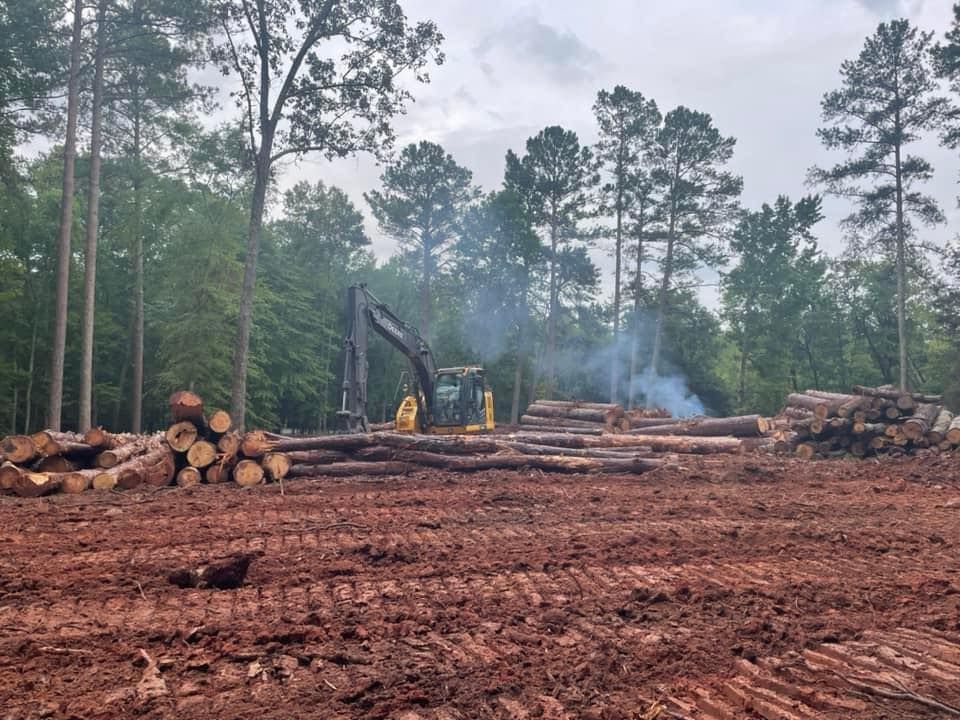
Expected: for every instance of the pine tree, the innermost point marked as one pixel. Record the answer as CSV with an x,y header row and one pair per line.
x,y
886,101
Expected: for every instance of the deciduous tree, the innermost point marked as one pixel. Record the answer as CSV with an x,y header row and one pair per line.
x,y
316,76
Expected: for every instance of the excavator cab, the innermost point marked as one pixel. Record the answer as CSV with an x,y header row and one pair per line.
x,y
462,402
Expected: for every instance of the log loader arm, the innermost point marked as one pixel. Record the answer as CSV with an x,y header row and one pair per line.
x,y
364,311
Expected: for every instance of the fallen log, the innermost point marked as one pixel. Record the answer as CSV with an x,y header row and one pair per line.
x,y
953,432
276,466
219,422
54,464
742,426
549,463
572,404
142,445
564,429
229,443
658,443
99,438
258,443
838,399
8,473
155,467
74,483
18,449
202,454
446,444
181,435
855,404
561,422
316,457
188,476
49,443
248,473
923,418
221,471
186,405
34,485
613,454
818,406
375,427
938,433
891,393
796,413
638,423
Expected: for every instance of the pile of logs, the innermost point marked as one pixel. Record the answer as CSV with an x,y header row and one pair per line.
x,y
201,448
586,418
868,421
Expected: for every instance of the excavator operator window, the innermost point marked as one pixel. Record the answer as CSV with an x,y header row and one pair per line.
x,y
448,400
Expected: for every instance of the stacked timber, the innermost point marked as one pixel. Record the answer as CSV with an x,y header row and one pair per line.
x,y
574,416
869,421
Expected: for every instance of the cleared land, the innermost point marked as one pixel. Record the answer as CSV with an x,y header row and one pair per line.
x,y
727,587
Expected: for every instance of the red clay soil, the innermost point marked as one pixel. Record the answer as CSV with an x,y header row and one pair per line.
x,y
723,588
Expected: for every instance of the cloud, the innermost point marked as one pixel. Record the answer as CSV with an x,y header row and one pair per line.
x,y
563,55
881,7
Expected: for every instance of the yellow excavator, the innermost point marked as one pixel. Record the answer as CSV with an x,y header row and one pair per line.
x,y
442,401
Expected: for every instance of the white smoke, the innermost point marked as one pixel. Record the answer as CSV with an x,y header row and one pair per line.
x,y
669,392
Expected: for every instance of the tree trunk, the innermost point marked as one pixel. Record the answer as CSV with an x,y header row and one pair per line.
x,y
637,325
238,393
58,351
425,288
743,426
28,396
659,443
136,390
562,421
93,222
539,427
618,252
901,267
550,359
522,341
667,276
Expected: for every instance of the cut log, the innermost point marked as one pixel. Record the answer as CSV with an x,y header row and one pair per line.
x,y
376,427
938,433
563,429
105,481
258,443
578,404
181,435
835,398
222,470
658,443
18,449
796,413
643,422
316,457
100,438
890,393
818,406
162,474
49,442
743,426
446,444
185,405
219,422
922,420
55,464
8,473
276,466
953,432
561,422
142,445
248,473
202,454
855,404
33,485
155,467
188,476
75,483
229,444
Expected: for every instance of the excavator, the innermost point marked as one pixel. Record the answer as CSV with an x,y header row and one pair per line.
x,y
442,401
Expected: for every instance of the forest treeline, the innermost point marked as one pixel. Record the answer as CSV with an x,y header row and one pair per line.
x,y
150,250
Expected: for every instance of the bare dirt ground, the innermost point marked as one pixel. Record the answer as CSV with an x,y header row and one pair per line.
x,y
725,588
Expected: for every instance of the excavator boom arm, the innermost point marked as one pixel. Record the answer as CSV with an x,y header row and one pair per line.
x,y
364,311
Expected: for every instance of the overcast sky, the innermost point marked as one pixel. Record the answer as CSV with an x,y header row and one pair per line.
x,y
759,67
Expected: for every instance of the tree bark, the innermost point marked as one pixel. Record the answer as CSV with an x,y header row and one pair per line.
x,y
742,426
136,390
238,393
18,449
186,405
574,429
922,421
901,265
659,443
121,454
562,421
58,351
93,222
637,325
618,252
550,359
